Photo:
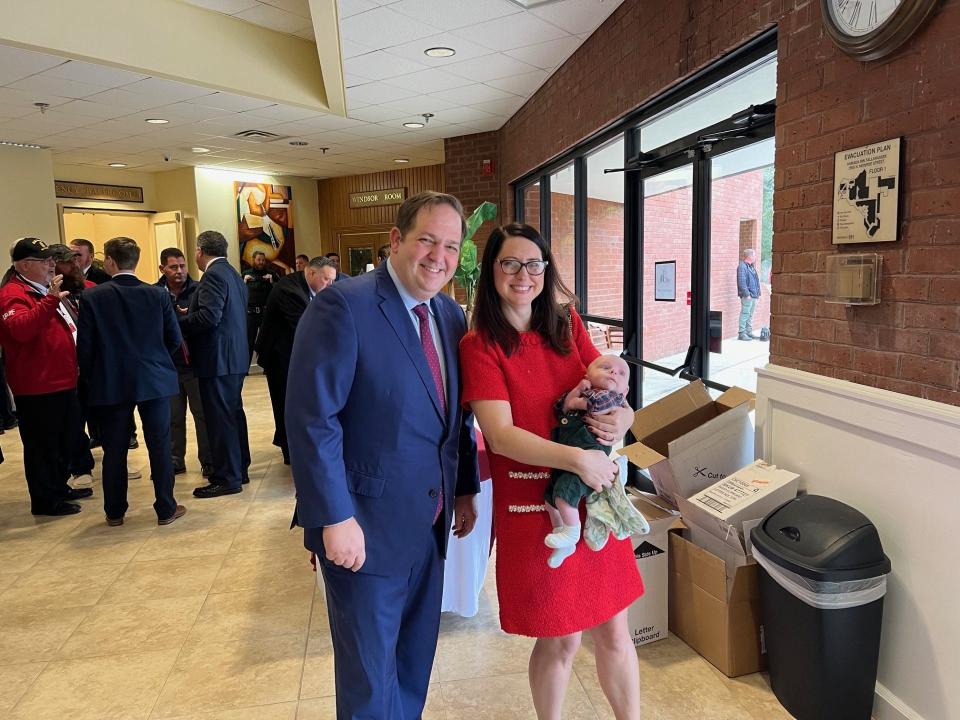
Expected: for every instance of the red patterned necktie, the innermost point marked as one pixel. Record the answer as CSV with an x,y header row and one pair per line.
x,y
433,360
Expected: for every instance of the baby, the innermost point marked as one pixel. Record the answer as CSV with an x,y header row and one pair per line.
x,y
603,389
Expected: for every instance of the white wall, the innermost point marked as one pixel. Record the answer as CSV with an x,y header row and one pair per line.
x,y
27,203
217,208
896,459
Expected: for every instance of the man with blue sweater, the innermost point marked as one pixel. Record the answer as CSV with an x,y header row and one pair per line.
x,y
748,288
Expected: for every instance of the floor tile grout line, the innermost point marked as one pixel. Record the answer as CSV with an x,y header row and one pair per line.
x,y
306,646
30,684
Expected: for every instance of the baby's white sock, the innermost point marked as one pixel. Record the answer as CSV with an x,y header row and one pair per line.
x,y
567,536
559,555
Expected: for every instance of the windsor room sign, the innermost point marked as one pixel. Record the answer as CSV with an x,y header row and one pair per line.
x,y
373,198
94,191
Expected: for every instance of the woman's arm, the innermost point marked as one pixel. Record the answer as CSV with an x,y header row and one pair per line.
x,y
504,438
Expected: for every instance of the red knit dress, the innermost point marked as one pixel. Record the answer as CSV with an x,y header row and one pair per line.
x,y
589,587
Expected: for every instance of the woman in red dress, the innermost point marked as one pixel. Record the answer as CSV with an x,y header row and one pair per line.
x,y
519,358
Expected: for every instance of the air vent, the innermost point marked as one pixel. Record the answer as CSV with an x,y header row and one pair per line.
x,y
260,136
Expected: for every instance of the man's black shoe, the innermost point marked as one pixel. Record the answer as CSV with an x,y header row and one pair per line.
x,y
10,424
133,443
61,508
179,470
94,443
207,471
78,493
212,491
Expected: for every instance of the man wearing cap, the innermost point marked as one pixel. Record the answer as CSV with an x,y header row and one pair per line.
x,y
38,335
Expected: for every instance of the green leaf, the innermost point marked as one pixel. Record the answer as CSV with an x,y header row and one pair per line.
x,y
484,212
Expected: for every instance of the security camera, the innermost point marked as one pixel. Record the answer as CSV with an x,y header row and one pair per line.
x,y
166,158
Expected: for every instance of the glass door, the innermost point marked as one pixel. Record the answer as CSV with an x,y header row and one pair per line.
x,y
667,217
741,251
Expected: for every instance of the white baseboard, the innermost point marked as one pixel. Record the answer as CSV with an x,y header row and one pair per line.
x,y
887,706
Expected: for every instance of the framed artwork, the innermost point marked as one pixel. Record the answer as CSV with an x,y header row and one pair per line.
x,y
866,192
665,281
265,223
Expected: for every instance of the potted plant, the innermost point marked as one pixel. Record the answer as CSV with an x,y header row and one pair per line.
x,y
468,270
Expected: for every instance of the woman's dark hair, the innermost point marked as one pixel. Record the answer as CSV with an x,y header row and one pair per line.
x,y
549,307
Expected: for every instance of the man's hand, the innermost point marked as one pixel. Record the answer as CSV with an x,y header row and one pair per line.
x,y
54,288
180,310
464,515
345,544
610,427
247,278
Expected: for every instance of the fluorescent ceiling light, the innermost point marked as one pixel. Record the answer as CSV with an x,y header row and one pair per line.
x,y
13,143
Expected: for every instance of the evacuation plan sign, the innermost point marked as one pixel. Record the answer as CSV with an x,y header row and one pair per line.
x,y
866,187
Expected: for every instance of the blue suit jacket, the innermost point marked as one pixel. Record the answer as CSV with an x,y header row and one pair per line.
x,y
367,437
216,326
126,333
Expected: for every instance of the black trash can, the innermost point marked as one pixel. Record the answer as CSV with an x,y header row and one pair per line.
x,y
822,582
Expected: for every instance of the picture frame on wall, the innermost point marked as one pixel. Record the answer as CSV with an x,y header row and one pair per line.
x,y
866,193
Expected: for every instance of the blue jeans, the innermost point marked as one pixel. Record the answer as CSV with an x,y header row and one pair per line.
x,y
747,304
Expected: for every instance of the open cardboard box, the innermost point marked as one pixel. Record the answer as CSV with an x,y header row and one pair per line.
x,y
648,615
687,441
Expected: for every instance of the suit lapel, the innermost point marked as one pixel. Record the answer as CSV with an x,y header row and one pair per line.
x,y
396,313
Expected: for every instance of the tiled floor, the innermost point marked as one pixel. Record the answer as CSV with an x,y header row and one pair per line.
x,y
217,617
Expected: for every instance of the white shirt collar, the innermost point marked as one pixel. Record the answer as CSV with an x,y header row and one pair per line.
x,y
213,260
125,272
409,301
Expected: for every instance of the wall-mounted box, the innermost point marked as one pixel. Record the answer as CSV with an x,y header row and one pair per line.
x,y
854,279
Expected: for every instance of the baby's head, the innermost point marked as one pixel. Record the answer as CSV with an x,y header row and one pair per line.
x,y
609,372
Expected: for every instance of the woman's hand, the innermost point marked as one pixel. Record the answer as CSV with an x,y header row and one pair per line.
x,y
596,470
611,426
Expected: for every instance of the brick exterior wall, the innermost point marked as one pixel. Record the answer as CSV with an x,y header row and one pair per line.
x,y
826,102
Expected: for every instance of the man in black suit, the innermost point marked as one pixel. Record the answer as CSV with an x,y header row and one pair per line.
x,y
84,250
216,331
126,333
286,303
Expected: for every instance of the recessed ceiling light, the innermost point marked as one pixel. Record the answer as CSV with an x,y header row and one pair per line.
x,y
401,160
439,52
157,121
118,165
413,125
199,150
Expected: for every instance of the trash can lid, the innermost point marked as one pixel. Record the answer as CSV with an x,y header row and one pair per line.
x,y
822,539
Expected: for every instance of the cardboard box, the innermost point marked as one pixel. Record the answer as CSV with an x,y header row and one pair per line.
x,y
687,441
720,621
648,616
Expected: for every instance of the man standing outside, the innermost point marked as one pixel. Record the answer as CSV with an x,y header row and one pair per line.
x,y
215,328
38,336
176,280
259,282
84,250
127,333
748,288
287,301
384,457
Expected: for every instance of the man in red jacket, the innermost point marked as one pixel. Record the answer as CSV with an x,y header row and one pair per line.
x,y
38,335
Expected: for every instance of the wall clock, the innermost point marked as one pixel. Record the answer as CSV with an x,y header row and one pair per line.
x,y
872,29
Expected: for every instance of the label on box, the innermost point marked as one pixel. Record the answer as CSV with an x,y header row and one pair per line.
x,y
731,494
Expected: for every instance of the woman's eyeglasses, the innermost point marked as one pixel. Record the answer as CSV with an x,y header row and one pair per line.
x,y
511,266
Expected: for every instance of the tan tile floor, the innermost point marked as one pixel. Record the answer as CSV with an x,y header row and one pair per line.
x,y
216,618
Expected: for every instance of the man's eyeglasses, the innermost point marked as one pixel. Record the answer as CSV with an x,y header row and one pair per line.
x,y
45,261
512,266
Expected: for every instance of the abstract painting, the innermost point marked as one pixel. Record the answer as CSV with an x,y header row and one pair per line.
x,y
265,223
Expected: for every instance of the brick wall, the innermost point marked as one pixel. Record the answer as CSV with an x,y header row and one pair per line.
x,y
826,101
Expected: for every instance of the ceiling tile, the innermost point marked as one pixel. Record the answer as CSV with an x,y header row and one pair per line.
x,y
492,122
513,31
382,27
229,101
273,18
376,93
297,7
451,14
282,113
95,110
419,104
51,122
349,8
374,130
375,113
505,108
189,111
228,7
524,85
380,65
16,63
46,85
472,94
547,55
124,99
464,115
465,49
108,77
321,123
428,81
577,16
350,49
490,67
167,91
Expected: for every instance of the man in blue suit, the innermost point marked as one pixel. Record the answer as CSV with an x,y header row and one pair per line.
x,y
384,457
126,333
215,327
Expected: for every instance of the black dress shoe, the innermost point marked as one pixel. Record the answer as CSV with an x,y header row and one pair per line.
x,y
207,471
78,493
61,508
134,444
94,443
212,491
245,481
10,424
179,470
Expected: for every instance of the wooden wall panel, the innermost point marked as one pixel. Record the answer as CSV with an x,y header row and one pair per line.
x,y
336,215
